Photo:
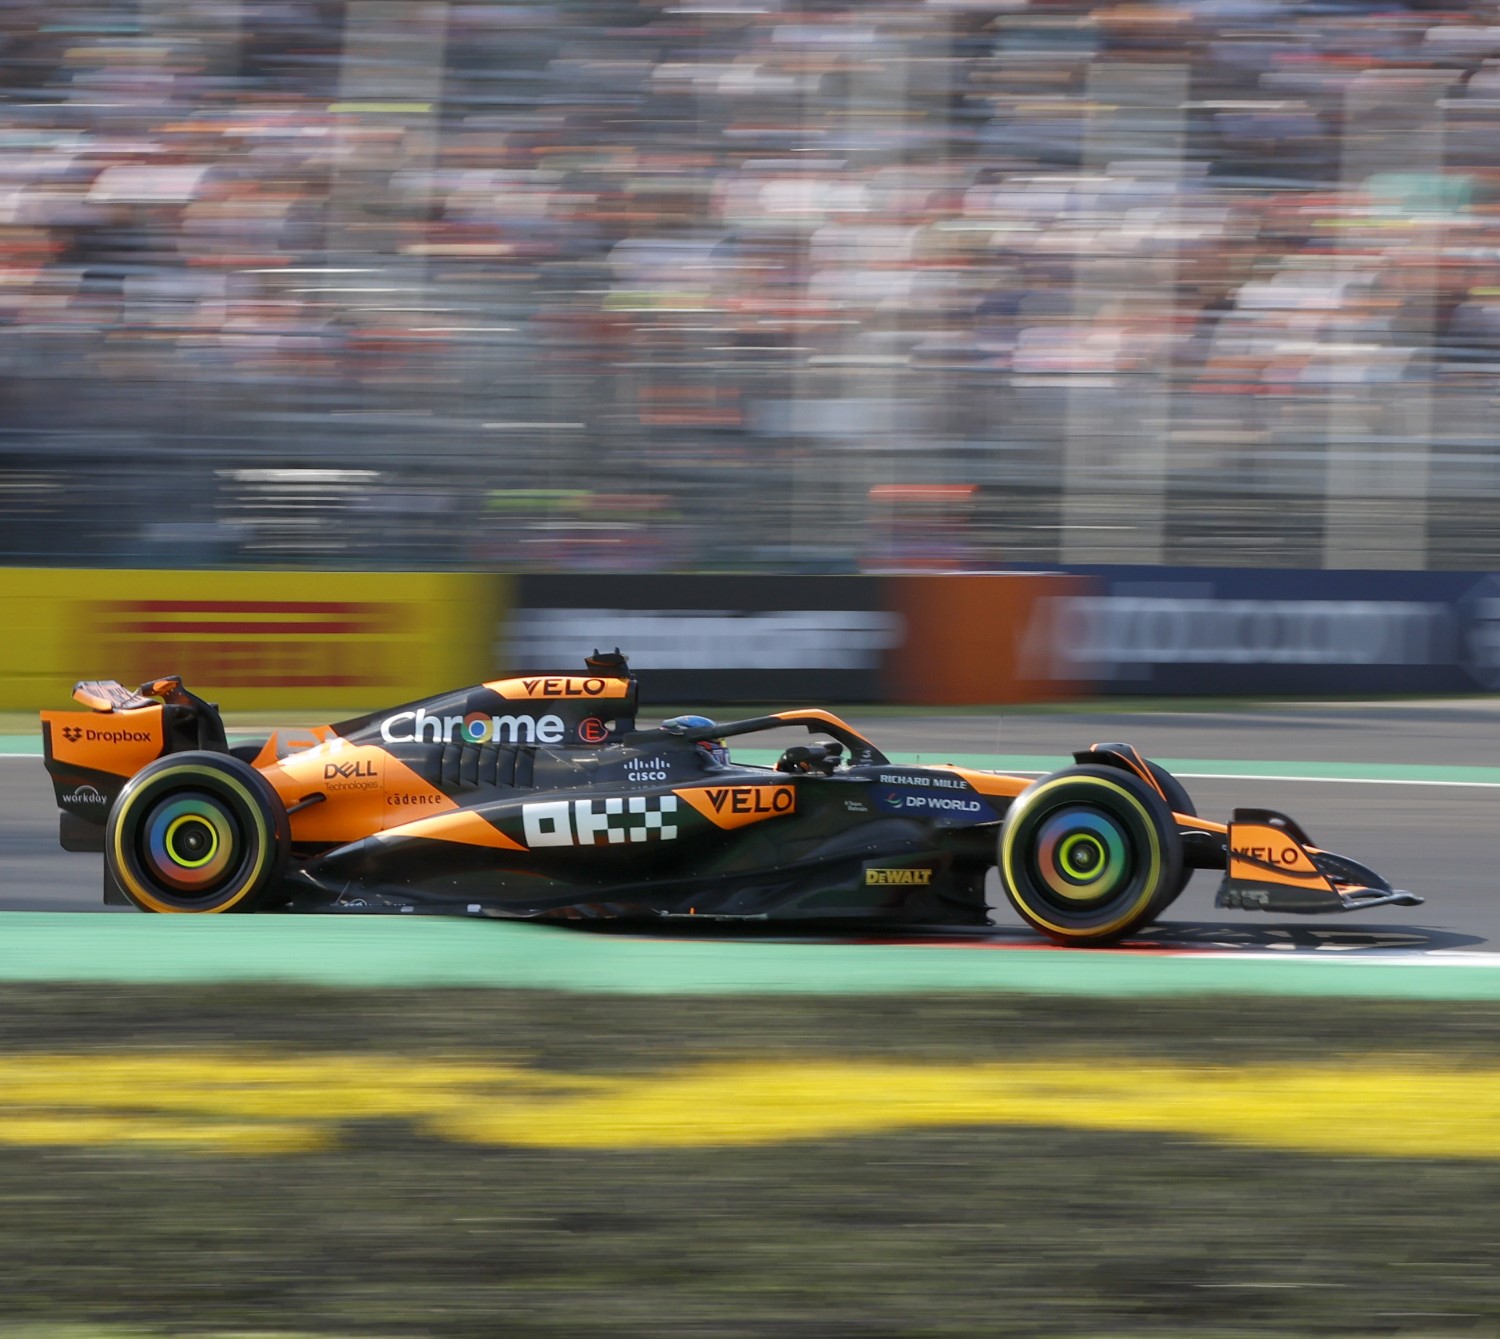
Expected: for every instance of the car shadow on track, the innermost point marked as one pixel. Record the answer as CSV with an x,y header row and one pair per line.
x,y
1272,940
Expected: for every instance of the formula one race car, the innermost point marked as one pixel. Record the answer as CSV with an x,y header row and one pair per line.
x,y
537,797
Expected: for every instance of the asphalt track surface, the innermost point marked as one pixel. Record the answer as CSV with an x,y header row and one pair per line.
x,y
1439,840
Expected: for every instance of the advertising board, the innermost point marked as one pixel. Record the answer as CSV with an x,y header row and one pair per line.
x,y
732,638
983,638
1269,632
321,641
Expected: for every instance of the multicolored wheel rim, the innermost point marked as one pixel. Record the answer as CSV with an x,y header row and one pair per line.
x,y
191,843
1082,855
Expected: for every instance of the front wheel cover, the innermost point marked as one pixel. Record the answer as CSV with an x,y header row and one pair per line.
x,y
196,832
1088,853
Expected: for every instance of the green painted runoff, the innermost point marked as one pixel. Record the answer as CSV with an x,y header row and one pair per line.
x,y
407,952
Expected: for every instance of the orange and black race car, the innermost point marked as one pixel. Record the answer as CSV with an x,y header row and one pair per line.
x,y
538,797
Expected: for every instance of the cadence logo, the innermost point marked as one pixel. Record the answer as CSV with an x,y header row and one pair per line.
x,y
254,643
420,726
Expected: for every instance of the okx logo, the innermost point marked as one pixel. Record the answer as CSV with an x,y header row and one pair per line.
x,y
611,822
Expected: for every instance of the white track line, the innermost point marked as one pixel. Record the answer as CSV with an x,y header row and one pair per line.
x,y
1332,780
1439,957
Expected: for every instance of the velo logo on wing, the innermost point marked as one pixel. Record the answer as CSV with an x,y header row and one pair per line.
x,y
608,822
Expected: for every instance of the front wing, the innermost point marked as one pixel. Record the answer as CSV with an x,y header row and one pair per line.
x,y
1271,865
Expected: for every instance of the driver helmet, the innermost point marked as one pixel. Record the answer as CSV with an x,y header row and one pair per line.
x,y
715,749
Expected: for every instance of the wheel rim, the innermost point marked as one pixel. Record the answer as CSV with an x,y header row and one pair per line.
x,y
1082,855
191,844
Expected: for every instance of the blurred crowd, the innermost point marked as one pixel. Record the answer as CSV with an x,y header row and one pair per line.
x,y
743,283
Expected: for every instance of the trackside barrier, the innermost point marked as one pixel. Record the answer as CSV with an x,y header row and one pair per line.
x,y
1195,632
301,641
249,640
1241,631
929,638
712,638
982,638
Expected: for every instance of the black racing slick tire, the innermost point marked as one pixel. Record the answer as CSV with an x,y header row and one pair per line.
x,y
1179,802
197,832
1089,854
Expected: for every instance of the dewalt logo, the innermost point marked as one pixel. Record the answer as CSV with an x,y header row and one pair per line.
x,y
910,878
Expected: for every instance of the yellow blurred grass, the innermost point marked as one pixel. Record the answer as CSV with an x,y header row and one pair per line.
x,y
223,1102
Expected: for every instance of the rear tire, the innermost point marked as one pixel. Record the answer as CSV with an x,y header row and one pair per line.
x,y
1089,854
197,832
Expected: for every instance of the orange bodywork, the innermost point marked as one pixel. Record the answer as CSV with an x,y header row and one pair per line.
x,y
570,687
464,827
365,791
119,743
731,807
1263,853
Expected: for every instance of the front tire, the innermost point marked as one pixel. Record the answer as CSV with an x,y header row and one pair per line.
x,y
1089,854
1179,802
197,832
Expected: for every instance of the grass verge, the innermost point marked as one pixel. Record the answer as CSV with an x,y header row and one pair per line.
x,y
1030,1230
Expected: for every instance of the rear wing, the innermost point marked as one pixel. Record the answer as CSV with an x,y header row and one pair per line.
x,y
91,754
109,695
